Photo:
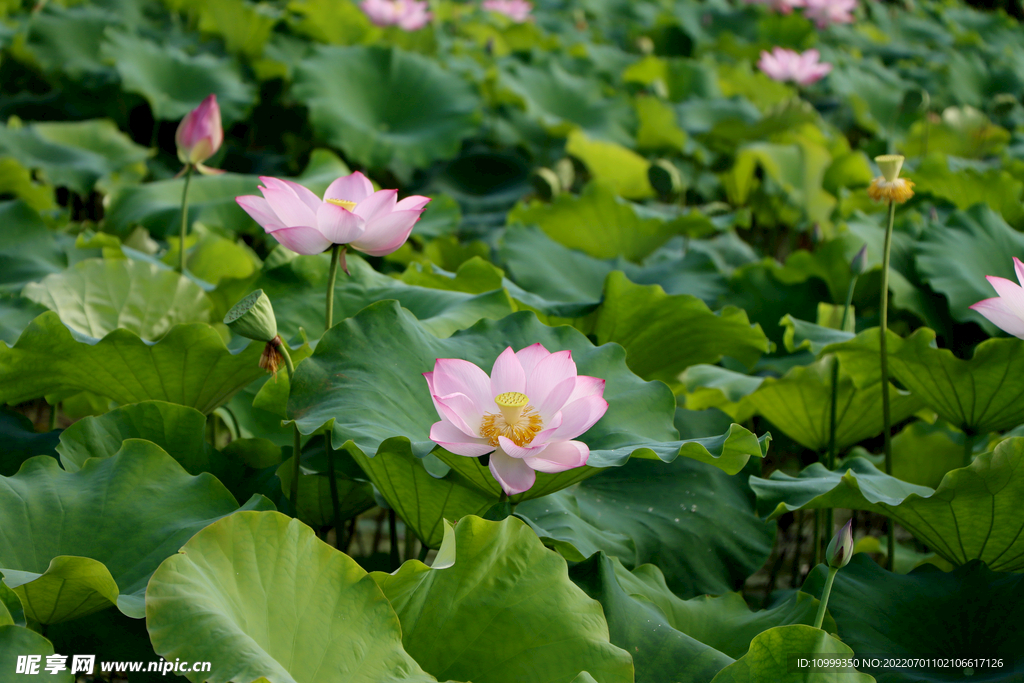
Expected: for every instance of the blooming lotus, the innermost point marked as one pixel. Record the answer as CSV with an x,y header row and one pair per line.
x,y
780,6
889,186
526,414
200,135
350,213
1005,311
408,15
824,13
516,10
787,65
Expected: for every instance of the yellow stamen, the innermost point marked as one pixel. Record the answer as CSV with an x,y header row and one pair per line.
x,y
897,190
343,203
516,420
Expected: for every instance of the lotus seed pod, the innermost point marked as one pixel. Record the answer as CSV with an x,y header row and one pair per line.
x,y
840,549
546,183
665,179
890,165
253,318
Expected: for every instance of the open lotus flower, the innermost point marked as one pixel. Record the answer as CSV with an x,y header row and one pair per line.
x,y
1005,311
200,135
780,6
350,213
408,15
526,414
786,65
824,13
516,10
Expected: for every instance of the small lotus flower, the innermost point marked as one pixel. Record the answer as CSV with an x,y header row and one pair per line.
x,y
526,414
350,213
840,548
889,185
516,10
824,13
1005,311
787,65
780,6
200,135
408,15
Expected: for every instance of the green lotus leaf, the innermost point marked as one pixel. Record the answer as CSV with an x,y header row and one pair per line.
x,y
16,312
339,23
28,249
174,82
350,94
800,334
771,654
257,594
973,514
17,180
657,129
923,453
970,609
76,155
962,132
503,611
800,402
98,296
245,29
315,506
979,395
189,366
666,514
21,441
11,610
78,542
179,430
968,187
68,39
620,167
18,641
113,636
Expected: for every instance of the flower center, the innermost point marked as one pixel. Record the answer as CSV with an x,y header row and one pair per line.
x,y
516,420
343,203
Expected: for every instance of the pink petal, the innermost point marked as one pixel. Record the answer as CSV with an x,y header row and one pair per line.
x,y
555,399
457,376
515,451
531,355
352,188
377,205
461,411
260,210
514,475
586,386
449,437
412,203
386,234
507,374
548,374
286,204
302,239
579,416
1000,315
429,376
1011,293
338,224
560,456
303,193
1019,268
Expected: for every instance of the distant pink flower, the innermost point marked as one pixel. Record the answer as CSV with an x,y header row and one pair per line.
x,y
409,15
1005,311
200,135
350,213
786,65
516,10
525,414
780,6
824,13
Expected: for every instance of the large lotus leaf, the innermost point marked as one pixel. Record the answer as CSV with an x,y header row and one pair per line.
x,y
297,290
663,334
973,514
800,402
954,258
257,594
21,442
17,181
671,514
113,636
68,39
316,508
800,334
923,453
101,531
28,249
76,154
11,609
597,222
352,94
504,612
772,653
967,187
18,641
16,312
190,366
243,27
971,611
98,296
177,429
422,499
174,82
979,395
622,168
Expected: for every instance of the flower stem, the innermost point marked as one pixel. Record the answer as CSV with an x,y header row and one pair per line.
x,y
393,533
331,278
184,219
296,437
884,359
968,448
424,549
832,571
335,503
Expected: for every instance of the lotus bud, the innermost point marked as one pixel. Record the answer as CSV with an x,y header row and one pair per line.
x,y
546,183
200,134
645,45
566,172
840,548
665,179
859,265
253,318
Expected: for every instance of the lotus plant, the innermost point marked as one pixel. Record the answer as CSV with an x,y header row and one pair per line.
x,y
516,10
838,555
526,414
198,138
408,15
790,66
824,13
1005,311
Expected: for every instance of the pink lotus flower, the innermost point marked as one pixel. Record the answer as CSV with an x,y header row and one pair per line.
x,y
1005,311
780,6
786,65
824,13
516,10
408,15
350,213
200,135
525,414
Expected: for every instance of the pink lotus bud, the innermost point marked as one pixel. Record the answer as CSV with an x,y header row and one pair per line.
x,y
200,134
840,550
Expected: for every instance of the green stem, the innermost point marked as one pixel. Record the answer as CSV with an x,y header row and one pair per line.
x,y
184,219
335,503
968,448
832,571
410,543
331,278
884,359
393,533
53,417
296,437
424,549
